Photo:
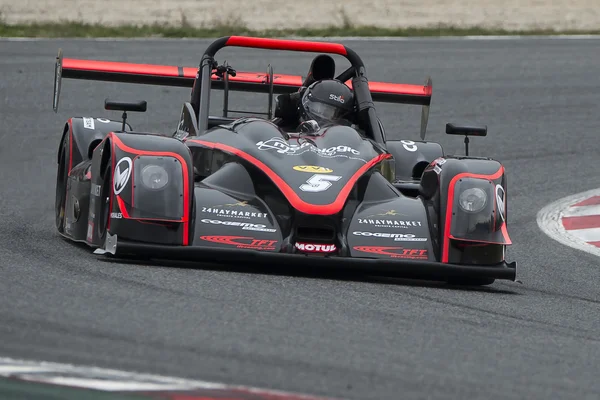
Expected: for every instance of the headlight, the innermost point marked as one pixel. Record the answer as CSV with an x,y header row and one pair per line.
x,y
472,200
154,177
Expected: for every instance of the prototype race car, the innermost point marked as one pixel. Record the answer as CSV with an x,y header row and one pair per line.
x,y
246,190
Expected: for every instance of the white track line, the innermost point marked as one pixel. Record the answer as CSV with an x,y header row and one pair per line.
x,y
115,380
549,221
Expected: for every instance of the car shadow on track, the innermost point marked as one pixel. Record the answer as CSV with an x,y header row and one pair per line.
x,y
307,273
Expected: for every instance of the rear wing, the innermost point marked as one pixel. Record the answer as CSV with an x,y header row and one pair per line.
x,y
258,82
164,75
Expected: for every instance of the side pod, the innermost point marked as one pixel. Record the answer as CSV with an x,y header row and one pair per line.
x,y
466,196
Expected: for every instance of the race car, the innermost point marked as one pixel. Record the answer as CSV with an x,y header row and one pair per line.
x,y
249,189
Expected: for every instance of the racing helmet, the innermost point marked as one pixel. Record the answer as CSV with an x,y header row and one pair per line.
x,y
327,102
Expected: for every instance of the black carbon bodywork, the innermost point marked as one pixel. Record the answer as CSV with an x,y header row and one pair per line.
x,y
246,189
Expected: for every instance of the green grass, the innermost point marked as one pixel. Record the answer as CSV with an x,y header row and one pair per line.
x,y
82,30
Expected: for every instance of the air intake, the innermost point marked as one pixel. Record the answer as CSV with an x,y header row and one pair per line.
x,y
315,233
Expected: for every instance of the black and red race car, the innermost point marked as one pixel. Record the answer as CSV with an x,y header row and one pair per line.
x,y
245,190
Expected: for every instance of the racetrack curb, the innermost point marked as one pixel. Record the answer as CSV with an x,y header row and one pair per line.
x,y
550,221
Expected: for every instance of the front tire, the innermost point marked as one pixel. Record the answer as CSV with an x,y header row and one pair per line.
x,y
105,206
62,174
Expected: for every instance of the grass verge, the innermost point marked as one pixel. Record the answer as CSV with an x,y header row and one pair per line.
x,y
83,30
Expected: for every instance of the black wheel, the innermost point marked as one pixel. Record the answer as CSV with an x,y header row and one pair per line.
x,y
105,202
61,187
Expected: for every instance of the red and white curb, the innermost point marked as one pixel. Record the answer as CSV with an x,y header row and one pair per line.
x,y
574,221
146,385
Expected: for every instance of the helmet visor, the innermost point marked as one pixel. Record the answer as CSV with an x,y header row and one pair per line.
x,y
322,111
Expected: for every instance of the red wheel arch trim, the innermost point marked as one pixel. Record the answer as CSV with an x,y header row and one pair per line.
x,y
290,194
447,235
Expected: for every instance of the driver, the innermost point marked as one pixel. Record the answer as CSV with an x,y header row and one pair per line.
x,y
327,102
324,102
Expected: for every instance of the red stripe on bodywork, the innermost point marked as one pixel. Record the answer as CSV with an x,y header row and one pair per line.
x,y
583,222
122,207
286,44
592,201
186,187
290,194
447,236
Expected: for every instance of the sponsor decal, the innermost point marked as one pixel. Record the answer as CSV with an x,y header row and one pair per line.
x,y
339,99
394,252
409,145
242,242
312,168
103,120
389,223
95,189
116,215
225,210
500,201
392,213
437,165
398,237
122,174
316,248
88,123
281,146
244,225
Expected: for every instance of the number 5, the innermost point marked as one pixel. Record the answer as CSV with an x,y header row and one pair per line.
x,y
319,183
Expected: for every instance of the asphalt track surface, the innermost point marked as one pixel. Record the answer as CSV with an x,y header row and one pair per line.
x,y
314,333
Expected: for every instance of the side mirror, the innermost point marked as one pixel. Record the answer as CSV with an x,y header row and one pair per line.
x,y
466,130
139,106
